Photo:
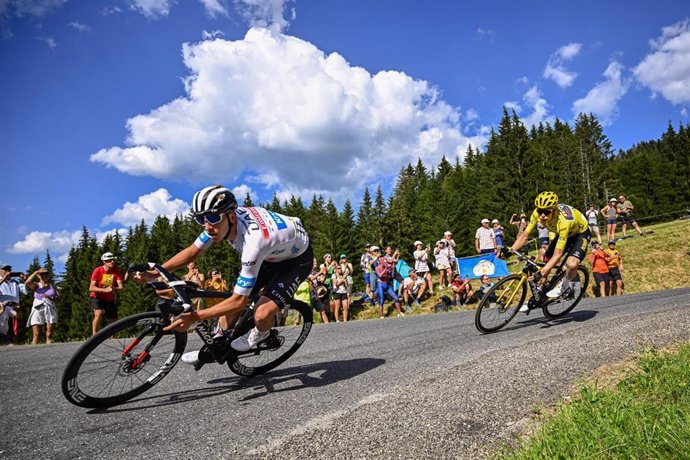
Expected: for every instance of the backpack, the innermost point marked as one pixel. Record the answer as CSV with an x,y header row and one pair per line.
x,y
381,270
444,305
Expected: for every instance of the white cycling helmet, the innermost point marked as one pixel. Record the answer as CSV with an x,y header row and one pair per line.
x,y
213,199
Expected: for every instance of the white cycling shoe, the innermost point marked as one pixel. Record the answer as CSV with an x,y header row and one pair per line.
x,y
555,292
524,308
249,340
191,358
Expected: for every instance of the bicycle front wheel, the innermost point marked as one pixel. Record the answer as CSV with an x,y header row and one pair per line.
x,y
291,330
500,305
122,361
562,305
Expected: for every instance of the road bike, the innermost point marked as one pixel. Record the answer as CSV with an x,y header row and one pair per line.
x,y
502,302
131,355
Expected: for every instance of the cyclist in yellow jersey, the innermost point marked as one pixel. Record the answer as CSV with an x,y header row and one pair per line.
x,y
569,233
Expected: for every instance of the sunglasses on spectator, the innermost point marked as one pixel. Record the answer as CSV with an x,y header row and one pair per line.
x,y
212,218
546,212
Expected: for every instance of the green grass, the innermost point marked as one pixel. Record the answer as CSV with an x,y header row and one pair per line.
x,y
645,415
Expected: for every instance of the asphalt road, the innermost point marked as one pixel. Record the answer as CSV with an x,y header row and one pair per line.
x,y
416,387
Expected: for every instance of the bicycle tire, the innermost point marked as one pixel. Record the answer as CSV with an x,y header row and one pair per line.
x,y
493,313
560,306
104,371
281,344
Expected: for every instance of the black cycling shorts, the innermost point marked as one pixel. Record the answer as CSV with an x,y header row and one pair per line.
x,y
575,246
279,280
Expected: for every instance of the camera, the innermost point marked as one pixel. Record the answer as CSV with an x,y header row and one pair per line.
x,y
15,274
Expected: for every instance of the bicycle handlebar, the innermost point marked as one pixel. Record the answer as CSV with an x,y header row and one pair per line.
x,y
170,281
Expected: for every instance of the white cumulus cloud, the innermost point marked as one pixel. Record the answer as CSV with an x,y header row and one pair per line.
x,y
214,8
265,13
152,9
277,109
666,70
534,100
555,69
602,100
148,208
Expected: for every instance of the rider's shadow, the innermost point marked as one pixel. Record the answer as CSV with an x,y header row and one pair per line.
x,y
311,375
577,316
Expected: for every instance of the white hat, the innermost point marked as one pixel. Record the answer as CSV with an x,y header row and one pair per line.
x,y
374,248
447,233
107,256
486,221
495,221
417,242
613,199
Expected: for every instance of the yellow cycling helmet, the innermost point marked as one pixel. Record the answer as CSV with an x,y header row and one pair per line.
x,y
546,200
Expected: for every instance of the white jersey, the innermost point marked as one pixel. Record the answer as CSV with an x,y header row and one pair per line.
x,y
262,236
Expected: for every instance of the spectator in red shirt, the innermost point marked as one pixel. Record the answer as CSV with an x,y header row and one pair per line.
x,y
599,260
105,281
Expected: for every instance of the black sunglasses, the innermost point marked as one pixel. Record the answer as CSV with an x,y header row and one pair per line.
x,y
546,211
212,218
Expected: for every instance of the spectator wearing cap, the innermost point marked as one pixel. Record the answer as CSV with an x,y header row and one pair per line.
x,y
11,286
348,270
106,280
384,272
625,208
442,256
610,213
327,269
421,264
485,239
498,233
318,293
520,223
365,262
412,289
450,244
615,269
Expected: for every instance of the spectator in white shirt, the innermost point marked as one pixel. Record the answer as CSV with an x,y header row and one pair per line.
x,y
485,239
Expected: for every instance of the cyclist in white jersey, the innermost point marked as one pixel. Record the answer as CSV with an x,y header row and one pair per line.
x,y
275,253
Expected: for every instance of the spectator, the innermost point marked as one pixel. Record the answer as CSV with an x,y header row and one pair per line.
x,y
11,286
443,264
327,270
43,310
339,290
483,289
384,278
462,289
392,260
216,283
421,264
599,260
197,278
592,216
615,269
485,239
541,257
498,233
369,280
7,312
521,223
318,293
625,208
542,235
413,288
348,269
106,280
450,244
610,213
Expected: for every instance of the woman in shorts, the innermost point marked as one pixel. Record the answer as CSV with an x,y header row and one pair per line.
x,y
421,264
443,264
610,213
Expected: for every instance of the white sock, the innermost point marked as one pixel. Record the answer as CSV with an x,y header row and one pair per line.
x,y
565,284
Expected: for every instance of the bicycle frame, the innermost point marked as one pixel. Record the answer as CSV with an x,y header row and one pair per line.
x,y
528,271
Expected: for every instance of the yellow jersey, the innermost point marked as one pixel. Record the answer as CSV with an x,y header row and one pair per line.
x,y
568,222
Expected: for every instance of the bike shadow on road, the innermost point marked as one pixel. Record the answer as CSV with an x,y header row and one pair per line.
x,y
288,379
577,316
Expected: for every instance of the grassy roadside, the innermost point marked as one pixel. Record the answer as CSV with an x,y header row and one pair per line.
x,y
644,413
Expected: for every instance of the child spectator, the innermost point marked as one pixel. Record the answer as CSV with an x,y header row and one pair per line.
x,y
498,233
615,268
599,260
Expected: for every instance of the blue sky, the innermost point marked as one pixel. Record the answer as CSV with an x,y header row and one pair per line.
x,y
115,111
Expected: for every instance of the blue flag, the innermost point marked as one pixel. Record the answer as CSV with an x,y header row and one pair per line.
x,y
486,264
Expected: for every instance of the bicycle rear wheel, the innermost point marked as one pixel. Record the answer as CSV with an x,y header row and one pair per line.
x,y
122,361
500,305
562,305
285,338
